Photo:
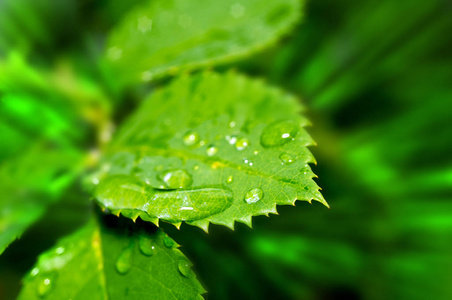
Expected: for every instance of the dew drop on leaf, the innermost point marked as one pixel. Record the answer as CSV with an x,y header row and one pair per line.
x,y
230,179
286,159
212,150
169,242
176,178
248,161
191,138
254,195
242,144
34,272
44,285
124,261
184,267
279,133
146,245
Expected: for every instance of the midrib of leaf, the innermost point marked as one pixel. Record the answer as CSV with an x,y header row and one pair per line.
x,y
97,245
212,161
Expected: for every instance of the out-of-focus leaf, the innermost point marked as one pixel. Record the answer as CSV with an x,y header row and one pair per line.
x,y
209,148
30,182
160,38
101,262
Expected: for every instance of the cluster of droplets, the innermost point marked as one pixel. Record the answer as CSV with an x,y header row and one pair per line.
x,y
148,248
45,282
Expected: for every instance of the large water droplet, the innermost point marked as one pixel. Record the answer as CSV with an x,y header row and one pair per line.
x,y
286,159
44,285
184,267
230,179
254,195
146,245
212,150
124,261
127,192
176,178
191,138
242,144
231,139
279,133
169,242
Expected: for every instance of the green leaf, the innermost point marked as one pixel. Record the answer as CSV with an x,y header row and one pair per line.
x,y
209,148
29,183
167,37
108,262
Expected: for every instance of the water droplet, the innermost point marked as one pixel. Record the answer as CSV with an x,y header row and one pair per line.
x,y
232,124
242,144
95,180
279,133
114,53
144,24
237,10
176,178
191,138
124,261
59,250
254,195
230,179
34,272
231,139
146,245
286,159
184,267
45,285
147,76
169,242
256,152
248,161
212,150
129,192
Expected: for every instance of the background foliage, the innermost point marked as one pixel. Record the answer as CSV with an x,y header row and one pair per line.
x,y
376,77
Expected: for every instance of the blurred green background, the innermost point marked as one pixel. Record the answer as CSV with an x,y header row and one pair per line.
x,y
376,77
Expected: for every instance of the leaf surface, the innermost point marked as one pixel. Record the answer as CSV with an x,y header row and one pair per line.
x,y
165,37
112,262
209,148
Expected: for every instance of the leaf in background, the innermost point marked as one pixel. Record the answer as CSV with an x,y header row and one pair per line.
x,y
209,148
29,183
161,38
100,262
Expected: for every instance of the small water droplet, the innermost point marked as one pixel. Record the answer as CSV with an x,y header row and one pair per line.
x,y
59,250
176,178
124,261
230,179
237,10
256,152
191,138
114,53
44,285
184,267
34,272
232,124
144,24
146,245
279,133
168,242
248,161
231,139
254,195
286,159
212,150
242,144
95,180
